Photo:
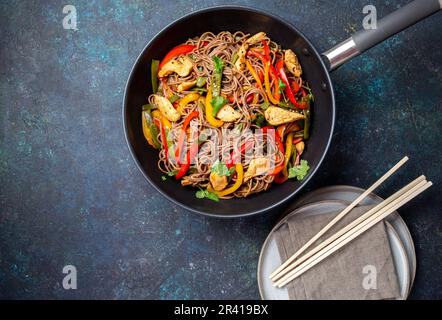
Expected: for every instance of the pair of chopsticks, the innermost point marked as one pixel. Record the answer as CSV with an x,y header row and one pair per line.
x,y
296,265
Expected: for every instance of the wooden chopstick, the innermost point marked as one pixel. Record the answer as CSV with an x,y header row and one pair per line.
x,y
388,203
419,180
275,273
352,234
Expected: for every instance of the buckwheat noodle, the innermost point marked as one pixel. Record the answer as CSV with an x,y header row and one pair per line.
x,y
235,83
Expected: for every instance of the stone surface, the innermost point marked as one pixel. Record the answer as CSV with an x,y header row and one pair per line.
x,y
71,194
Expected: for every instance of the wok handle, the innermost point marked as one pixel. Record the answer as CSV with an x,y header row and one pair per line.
x,y
386,27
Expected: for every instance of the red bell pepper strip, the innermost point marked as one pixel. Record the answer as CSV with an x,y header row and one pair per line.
x,y
297,140
242,150
278,141
266,49
304,104
295,86
280,178
288,89
182,136
264,59
254,53
184,167
163,136
179,50
249,98
272,72
189,156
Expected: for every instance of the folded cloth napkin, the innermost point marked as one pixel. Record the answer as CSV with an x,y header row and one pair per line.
x,y
362,269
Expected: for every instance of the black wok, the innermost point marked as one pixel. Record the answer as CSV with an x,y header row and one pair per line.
x,y
316,71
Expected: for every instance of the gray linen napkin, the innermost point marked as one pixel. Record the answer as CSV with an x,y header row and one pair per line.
x,y
343,274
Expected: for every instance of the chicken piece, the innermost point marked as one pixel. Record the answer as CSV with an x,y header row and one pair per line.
x,y
276,116
182,66
240,63
186,85
218,182
257,166
292,63
166,108
228,114
255,38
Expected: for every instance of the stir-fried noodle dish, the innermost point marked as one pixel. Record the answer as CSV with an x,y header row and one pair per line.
x,y
229,114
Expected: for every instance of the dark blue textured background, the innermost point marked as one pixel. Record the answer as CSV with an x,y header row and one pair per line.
x,y
71,194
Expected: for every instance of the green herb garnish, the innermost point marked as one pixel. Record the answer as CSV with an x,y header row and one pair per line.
x,y
300,171
172,173
281,86
220,169
201,194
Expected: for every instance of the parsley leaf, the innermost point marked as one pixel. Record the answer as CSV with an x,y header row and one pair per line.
x,y
212,196
300,171
164,178
220,169
281,86
201,194
172,173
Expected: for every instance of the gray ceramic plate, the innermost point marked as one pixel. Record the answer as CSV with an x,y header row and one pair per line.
x,y
349,193
269,258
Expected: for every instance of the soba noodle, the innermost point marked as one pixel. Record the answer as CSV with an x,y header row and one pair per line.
x,y
238,85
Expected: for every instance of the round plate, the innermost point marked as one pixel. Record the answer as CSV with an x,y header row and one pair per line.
x,y
349,194
270,259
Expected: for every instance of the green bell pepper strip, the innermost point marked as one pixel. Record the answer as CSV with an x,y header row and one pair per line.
x,y
217,75
153,74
